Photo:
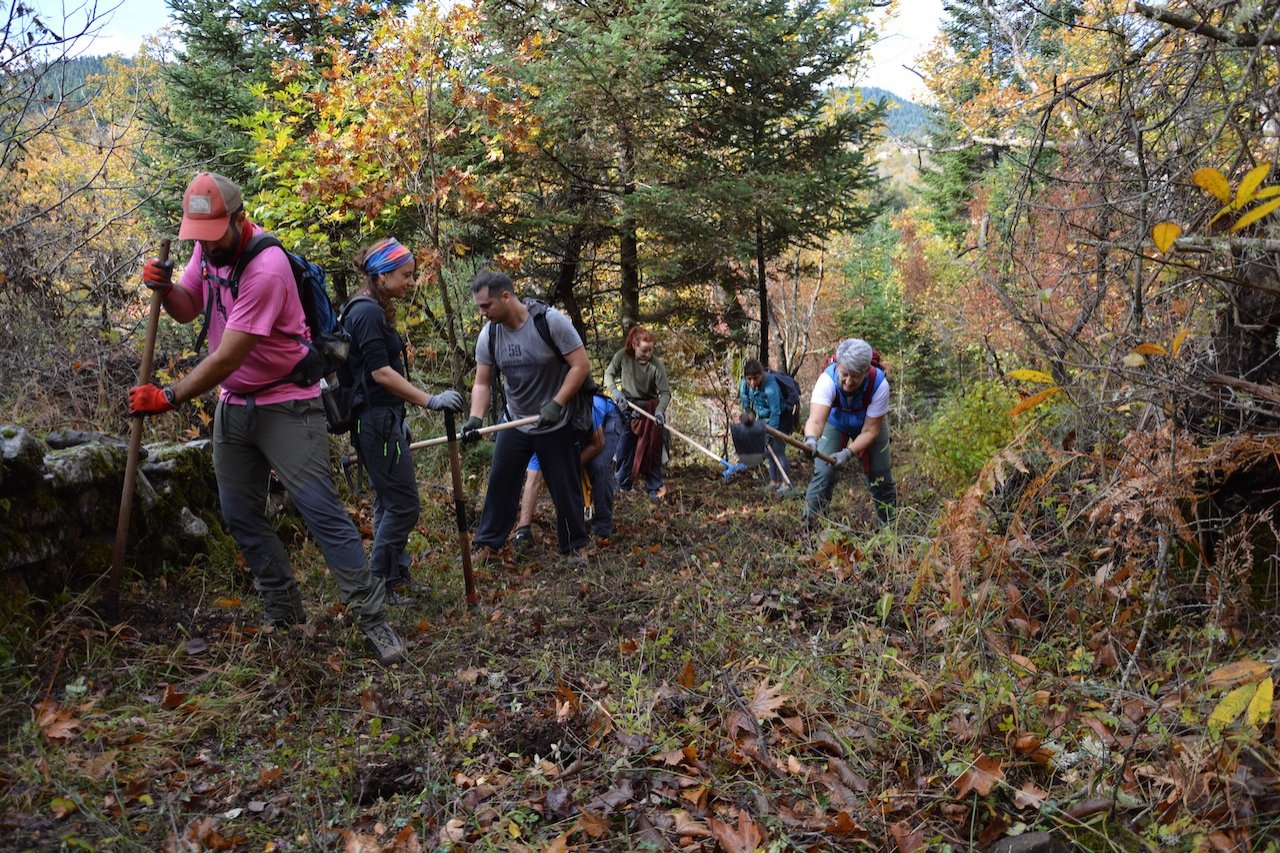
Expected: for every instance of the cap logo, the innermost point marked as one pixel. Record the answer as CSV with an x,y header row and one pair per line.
x,y
199,204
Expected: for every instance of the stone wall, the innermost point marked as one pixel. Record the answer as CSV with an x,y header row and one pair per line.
x,y
60,503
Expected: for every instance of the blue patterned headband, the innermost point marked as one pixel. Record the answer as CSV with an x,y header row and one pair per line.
x,y
387,257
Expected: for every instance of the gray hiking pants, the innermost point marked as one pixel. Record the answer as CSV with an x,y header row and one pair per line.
x,y
877,469
248,442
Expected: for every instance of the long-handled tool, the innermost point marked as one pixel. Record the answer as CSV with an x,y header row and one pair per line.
x,y
729,468
112,601
459,508
795,442
782,471
443,439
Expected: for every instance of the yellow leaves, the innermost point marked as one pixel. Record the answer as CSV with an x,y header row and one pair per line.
x,y
1249,185
1213,182
1150,349
1032,376
1257,213
1164,234
1250,190
1178,341
1251,702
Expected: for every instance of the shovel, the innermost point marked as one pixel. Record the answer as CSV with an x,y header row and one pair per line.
x,y
112,602
459,508
729,468
749,442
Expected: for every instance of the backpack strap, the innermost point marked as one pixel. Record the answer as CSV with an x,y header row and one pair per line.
x,y
257,244
870,390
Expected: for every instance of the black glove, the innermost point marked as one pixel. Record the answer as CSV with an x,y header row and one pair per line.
x,y
550,414
470,431
446,400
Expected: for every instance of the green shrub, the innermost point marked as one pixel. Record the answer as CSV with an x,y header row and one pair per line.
x,y
968,427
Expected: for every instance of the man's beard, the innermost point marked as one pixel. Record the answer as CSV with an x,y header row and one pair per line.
x,y
224,257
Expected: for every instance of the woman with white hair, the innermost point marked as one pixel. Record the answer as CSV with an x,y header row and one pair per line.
x,y
846,419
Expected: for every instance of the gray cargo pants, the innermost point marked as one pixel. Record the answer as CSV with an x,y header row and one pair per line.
x,y
248,442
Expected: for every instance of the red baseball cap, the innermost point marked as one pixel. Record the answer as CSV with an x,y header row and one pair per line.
x,y
207,207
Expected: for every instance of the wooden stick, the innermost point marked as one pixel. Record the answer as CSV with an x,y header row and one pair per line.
x,y
795,442
728,465
444,439
459,508
114,579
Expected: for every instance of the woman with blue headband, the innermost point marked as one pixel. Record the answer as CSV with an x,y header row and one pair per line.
x,y
377,360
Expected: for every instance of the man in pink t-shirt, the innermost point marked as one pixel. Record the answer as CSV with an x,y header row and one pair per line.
x,y
264,419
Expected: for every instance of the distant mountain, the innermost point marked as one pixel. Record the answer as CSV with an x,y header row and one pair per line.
x,y
903,119
68,79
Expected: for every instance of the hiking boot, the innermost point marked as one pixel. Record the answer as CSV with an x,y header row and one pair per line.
x,y
483,556
282,614
402,592
785,490
384,643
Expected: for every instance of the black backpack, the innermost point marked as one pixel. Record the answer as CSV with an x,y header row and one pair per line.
x,y
580,413
790,395
327,349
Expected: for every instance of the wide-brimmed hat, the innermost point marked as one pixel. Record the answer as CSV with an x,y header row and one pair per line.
x,y
207,207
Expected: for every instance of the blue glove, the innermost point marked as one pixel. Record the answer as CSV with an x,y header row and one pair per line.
x,y
550,414
445,401
842,458
470,431
811,445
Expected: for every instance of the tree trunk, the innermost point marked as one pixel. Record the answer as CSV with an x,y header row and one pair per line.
x,y
762,283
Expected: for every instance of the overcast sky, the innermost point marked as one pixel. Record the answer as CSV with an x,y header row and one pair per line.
x,y
907,35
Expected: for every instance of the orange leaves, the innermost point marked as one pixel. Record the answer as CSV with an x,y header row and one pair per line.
x,y
981,778
56,724
745,837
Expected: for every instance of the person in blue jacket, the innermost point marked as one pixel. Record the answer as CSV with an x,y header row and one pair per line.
x,y
846,419
761,394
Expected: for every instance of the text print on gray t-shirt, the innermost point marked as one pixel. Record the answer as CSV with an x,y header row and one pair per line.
x,y
531,372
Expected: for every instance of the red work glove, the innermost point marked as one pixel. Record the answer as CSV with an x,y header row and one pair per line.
x,y
158,275
149,400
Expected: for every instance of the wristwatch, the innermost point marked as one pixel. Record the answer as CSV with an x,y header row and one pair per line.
x,y
168,395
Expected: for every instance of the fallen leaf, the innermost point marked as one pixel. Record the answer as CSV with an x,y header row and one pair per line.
x,y
227,603
981,778
766,701
687,678
1239,672
593,825
744,838
845,825
197,646
1030,796
60,807
172,698
56,723
908,840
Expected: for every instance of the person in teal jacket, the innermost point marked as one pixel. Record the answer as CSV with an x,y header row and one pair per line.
x,y
760,393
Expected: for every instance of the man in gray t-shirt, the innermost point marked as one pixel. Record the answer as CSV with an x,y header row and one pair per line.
x,y
536,380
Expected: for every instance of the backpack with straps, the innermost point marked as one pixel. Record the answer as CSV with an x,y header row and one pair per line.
x,y
580,417
790,395
876,364
327,349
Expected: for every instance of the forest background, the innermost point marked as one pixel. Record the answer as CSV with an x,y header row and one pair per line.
x,y
1071,272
